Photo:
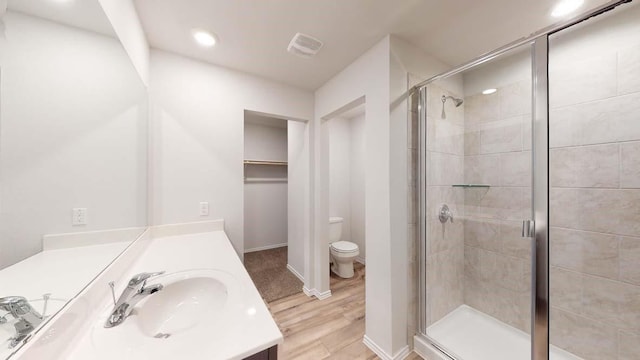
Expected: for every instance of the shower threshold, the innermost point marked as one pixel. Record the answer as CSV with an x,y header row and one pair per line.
x,y
474,335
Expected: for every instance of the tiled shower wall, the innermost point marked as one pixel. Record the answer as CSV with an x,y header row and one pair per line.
x,y
445,159
595,201
497,153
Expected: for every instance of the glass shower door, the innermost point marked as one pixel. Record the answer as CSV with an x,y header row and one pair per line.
x,y
478,174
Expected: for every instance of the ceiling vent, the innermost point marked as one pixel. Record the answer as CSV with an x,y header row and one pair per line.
x,y
304,45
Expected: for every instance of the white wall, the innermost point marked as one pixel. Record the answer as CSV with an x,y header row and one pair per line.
x,y
124,18
340,173
346,178
263,142
72,134
357,184
380,75
265,203
197,122
367,76
298,183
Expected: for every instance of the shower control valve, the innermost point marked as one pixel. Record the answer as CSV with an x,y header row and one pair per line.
x,y
445,214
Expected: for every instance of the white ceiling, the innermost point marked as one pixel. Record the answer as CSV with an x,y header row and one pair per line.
x,y
84,14
254,34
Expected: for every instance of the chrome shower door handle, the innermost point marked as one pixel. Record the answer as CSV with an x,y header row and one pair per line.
x,y
528,228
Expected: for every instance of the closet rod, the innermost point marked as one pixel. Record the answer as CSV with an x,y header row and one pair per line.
x,y
263,162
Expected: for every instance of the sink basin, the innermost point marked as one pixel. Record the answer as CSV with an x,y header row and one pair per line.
x,y
187,310
181,305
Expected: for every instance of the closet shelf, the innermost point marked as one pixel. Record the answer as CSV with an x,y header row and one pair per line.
x,y
471,185
265,162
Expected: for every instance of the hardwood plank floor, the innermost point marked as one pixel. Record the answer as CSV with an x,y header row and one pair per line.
x,y
325,329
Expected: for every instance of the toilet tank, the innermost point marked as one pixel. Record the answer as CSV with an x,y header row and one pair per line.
x,y
335,229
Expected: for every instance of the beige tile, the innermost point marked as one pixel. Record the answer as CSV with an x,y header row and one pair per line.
x,y
630,165
511,241
629,70
515,99
628,345
582,336
514,308
585,252
515,168
612,302
597,210
482,169
480,264
630,260
501,136
445,169
511,273
482,108
585,166
506,203
482,295
472,141
445,136
610,120
482,233
444,281
565,289
583,80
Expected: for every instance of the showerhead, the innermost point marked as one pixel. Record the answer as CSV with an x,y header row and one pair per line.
x,y
457,102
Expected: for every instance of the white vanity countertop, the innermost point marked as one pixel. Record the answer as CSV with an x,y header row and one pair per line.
x,y
62,273
251,330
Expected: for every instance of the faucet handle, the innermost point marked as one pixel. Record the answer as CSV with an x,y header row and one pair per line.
x,y
143,277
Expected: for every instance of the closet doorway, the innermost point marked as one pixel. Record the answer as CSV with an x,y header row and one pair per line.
x,y
270,257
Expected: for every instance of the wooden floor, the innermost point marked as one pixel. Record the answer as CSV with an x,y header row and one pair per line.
x,y
325,329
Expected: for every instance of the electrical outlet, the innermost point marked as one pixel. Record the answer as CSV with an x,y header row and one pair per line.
x,y
204,209
79,216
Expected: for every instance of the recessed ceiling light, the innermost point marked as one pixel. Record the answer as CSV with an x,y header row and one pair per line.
x,y
204,38
489,91
566,7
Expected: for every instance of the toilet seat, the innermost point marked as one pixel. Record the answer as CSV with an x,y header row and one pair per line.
x,y
344,247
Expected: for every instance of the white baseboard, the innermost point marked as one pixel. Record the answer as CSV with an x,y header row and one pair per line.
x,y
400,355
316,293
268,247
360,259
296,273
426,350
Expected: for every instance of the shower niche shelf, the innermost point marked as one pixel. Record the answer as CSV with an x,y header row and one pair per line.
x,y
471,185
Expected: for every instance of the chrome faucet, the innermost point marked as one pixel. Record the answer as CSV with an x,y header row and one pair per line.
x,y
135,291
28,318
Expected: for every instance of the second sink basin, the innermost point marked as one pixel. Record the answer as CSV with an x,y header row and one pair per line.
x,y
187,310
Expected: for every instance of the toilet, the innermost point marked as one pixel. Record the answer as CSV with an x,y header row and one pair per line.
x,y
342,253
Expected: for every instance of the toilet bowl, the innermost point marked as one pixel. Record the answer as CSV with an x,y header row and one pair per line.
x,y
342,253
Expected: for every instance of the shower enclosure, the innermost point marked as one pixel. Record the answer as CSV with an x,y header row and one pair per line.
x,y
530,197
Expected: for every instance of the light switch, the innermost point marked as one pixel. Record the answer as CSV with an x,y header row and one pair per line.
x,y
204,209
79,216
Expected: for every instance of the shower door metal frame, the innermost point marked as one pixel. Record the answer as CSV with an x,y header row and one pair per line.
x,y
540,306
